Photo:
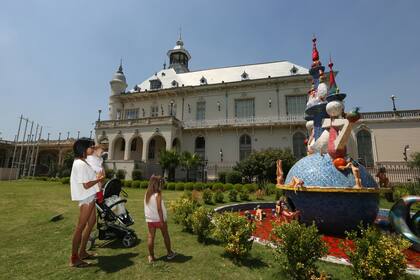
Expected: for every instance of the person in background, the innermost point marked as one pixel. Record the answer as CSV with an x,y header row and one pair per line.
x,y
156,217
83,187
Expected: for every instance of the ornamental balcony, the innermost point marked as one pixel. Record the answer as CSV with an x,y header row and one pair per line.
x,y
164,120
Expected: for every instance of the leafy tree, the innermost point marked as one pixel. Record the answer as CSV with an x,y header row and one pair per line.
x,y
189,162
415,160
169,160
262,165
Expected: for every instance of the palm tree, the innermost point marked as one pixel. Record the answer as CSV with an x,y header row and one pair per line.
x,y
169,160
189,161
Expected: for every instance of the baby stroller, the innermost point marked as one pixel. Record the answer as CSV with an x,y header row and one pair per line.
x,y
113,218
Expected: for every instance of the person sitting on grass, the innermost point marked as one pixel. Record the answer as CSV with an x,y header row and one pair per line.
x,y
156,216
83,186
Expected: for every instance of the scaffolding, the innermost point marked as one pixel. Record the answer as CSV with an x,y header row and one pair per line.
x,y
25,161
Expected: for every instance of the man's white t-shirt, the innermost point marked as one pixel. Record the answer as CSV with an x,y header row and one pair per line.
x,y
81,172
95,162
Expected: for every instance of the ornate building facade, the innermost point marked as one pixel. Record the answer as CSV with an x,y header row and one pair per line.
x,y
223,114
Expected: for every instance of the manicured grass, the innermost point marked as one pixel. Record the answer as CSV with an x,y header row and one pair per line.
x,y
32,247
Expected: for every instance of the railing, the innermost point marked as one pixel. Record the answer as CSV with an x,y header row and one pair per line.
x,y
406,114
292,119
254,121
134,122
397,172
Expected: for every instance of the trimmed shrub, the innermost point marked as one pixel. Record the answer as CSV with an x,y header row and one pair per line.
x,y
235,232
221,176
298,248
183,209
219,197
228,187
218,187
269,188
234,177
121,174
244,195
65,180
109,173
201,223
238,187
208,196
135,184
127,183
250,187
198,186
136,174
375,255
233,195
278,193
144,184
171,186
189,186
179,186
208,185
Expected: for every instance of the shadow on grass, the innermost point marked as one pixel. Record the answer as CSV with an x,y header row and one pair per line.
x,y
180,258
115,244
250,262
111,264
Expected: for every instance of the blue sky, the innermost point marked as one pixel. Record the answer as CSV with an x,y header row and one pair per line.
x,y
57,57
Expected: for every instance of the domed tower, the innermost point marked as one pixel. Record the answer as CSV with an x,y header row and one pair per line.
x,y
179,57
118,86
118,82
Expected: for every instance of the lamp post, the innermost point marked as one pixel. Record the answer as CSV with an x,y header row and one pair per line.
x,y
78,134
221,155
393,97
90,136
68,135
99,115
172,107
406,148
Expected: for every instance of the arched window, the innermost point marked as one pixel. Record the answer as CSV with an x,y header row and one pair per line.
x,y
299,148
245,146
152,148
133,145
364,148
200,146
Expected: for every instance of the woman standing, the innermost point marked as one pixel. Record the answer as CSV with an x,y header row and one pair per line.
x,y
155,212
83,186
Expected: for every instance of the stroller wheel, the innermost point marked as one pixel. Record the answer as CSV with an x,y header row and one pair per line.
x,y
91,242
129,240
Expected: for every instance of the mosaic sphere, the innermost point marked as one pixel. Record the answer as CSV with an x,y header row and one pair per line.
x,y
334,210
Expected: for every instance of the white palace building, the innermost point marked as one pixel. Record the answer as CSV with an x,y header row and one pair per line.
x,y
223,114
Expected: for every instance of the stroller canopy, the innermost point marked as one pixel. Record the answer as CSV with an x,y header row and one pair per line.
x,y
112,187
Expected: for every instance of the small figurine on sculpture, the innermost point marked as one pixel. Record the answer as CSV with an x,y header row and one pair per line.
x,y
354,165
279,173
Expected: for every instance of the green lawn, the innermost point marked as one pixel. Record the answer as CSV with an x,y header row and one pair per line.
x,y
34,248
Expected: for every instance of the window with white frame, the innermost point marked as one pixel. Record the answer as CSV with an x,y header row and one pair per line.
x,y
201,111
296,105
244,108
130,114
154,111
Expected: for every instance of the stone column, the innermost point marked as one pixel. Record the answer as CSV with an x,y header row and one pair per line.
x,y
127,149
110,148
145,149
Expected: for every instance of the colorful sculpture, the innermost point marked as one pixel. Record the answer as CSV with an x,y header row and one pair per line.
x,y
328,187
